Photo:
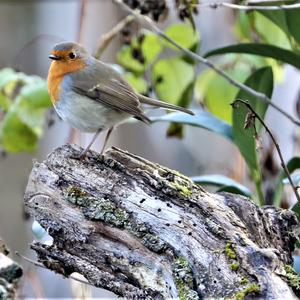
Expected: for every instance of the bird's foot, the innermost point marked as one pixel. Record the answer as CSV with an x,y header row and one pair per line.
x,y
80,156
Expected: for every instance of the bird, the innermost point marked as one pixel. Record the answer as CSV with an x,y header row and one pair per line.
x,y
92,96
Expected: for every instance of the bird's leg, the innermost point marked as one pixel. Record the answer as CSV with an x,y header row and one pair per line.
x,y
84,152
106,139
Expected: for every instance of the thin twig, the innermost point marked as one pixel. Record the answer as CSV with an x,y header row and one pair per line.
x,y
38,264
81,19
275,144
267,1
107,37
250,7
262,97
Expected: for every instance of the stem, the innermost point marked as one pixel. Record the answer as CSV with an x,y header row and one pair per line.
x,y
250,7
258,187
107,37
81,19
283,165
262,97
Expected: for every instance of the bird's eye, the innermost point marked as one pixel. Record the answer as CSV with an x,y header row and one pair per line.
x,y
72,55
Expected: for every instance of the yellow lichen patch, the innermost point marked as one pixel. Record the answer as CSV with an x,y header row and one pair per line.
x,y
252,288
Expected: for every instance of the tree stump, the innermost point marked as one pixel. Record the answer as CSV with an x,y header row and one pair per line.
x,y
144,231
10,273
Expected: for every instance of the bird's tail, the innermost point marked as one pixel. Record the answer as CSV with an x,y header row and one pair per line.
x,y
157,103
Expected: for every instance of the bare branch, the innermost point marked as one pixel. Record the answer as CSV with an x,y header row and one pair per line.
x,y
247,104
40,265
107,37
83,6
262,97
249,2
250,7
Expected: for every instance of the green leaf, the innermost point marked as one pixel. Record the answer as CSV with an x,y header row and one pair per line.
x,y
242,27
31,104
293,23
183,34
232,190
283,55
262,81
269,31
4,102
27,99
15,136
295,179
171,77
201,119
217,93
126,60
176,129
278,18
36,95
226,184
292,165
296,210
138,83
150,47
6,75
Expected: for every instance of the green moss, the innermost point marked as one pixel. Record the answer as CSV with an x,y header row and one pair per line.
x,y
97,208
153,242
230,252
180,175
102,209
234,266
213,227
244,281
183,189
292,277
252,288
76,195
184,279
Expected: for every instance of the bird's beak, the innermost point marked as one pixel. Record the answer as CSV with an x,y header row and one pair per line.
x,y
54,57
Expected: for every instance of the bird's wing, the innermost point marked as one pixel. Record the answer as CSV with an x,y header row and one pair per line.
x,y
114,92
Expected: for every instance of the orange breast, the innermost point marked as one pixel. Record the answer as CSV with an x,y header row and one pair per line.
x,y
57,71
54,80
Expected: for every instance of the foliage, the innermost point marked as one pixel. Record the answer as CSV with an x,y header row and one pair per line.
x,y
23,102
172,78
265,41
224,183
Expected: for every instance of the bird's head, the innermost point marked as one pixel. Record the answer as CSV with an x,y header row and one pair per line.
x,y
69,57
68,52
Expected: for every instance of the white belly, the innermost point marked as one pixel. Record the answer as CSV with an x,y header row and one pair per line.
x,y
86,114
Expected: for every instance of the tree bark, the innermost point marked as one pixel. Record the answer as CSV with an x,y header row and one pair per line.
x,y
144,231
10,273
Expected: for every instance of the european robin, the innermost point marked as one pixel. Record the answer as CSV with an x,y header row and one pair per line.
x,y
90,95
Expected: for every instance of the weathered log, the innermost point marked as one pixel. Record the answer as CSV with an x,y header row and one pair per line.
x,y
10,273
144,231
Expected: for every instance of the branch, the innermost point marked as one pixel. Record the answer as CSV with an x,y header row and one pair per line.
x,y
250,7
37,264
144,231
107,38
10,273
250,2
82,13
275,144
262,97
